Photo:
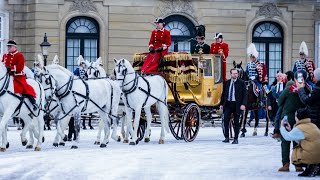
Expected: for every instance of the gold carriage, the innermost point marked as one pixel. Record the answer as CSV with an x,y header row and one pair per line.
x,y
195,82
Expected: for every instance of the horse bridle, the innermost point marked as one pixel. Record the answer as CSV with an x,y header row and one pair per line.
x,y
96,71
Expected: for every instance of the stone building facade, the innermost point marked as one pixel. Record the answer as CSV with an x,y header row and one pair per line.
x,y
118,29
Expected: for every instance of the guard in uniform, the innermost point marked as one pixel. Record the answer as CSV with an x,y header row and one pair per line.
x,y
159,43
305,64
14,62
256,70
222,48
200,37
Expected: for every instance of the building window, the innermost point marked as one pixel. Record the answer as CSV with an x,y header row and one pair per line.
x,y
82,38
268,38
182,32
317,44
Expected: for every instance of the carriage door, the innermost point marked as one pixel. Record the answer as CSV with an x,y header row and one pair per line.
x,y
181,30
82,38
268,39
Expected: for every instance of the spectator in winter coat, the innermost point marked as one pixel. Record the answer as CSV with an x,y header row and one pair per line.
x,y
307,135
312,100
290,101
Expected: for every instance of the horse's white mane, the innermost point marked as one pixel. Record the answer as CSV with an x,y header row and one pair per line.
x,y
57,66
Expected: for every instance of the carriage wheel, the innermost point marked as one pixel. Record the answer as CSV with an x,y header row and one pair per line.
x,y
191,122
141,129
175,128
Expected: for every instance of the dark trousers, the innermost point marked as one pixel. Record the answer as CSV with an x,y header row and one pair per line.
x,y
230,108
71,129
285,150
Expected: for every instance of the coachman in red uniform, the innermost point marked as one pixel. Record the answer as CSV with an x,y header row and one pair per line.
x,y
159,43
14,62
222,48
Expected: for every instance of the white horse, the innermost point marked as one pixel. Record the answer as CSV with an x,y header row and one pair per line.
x,y
95,70
76,95
20,107
143,92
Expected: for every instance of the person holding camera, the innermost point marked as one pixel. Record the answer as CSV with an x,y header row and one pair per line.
x,y
312,100
159,43
290,101
306,153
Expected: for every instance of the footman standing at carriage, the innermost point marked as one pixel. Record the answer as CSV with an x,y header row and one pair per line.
x,y
222,48
233,100
159,43
200,37
14,62
305,64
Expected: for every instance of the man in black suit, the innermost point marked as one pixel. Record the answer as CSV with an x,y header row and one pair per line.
x,y
233,100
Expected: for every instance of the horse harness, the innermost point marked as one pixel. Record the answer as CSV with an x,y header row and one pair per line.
x,y
135,86
69,85
4,89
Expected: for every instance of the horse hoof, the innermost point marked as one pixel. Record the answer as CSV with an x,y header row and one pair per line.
x,y
29,146
103,145
37,149
119,139
265,134
62,144
2,149
74,147
132,143
243,135
24,142
43,139
65,138
125,141
146,140
8,145
55,144
254,134
96,143
161,141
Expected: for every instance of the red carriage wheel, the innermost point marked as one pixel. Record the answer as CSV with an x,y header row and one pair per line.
x,y
191,122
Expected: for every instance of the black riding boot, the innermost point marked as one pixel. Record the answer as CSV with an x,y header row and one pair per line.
x,y
33,101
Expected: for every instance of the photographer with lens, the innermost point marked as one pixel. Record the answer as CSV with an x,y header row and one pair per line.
x,y
290,101
312,100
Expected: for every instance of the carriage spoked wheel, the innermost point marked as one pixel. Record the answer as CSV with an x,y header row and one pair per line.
x,y
175,127
191,122
141,129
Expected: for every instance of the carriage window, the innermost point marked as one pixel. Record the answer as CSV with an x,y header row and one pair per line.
x,y
268,39
217,69
207,67
82,38
181,30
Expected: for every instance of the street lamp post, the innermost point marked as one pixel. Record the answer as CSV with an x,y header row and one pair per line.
x,y
45,48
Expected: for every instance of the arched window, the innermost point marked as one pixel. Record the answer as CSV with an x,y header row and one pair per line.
x,y
82,38
182,32
268,38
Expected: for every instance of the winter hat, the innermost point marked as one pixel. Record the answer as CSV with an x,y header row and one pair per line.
x,y
302,113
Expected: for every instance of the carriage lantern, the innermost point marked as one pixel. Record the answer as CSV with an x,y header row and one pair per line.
x,y
45,48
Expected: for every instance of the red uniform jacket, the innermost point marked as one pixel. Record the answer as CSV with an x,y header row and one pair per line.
x,y
158,39
217,48
16,62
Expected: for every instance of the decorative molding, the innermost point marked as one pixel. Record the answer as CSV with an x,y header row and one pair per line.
x,y
269,10
83,6
167,7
